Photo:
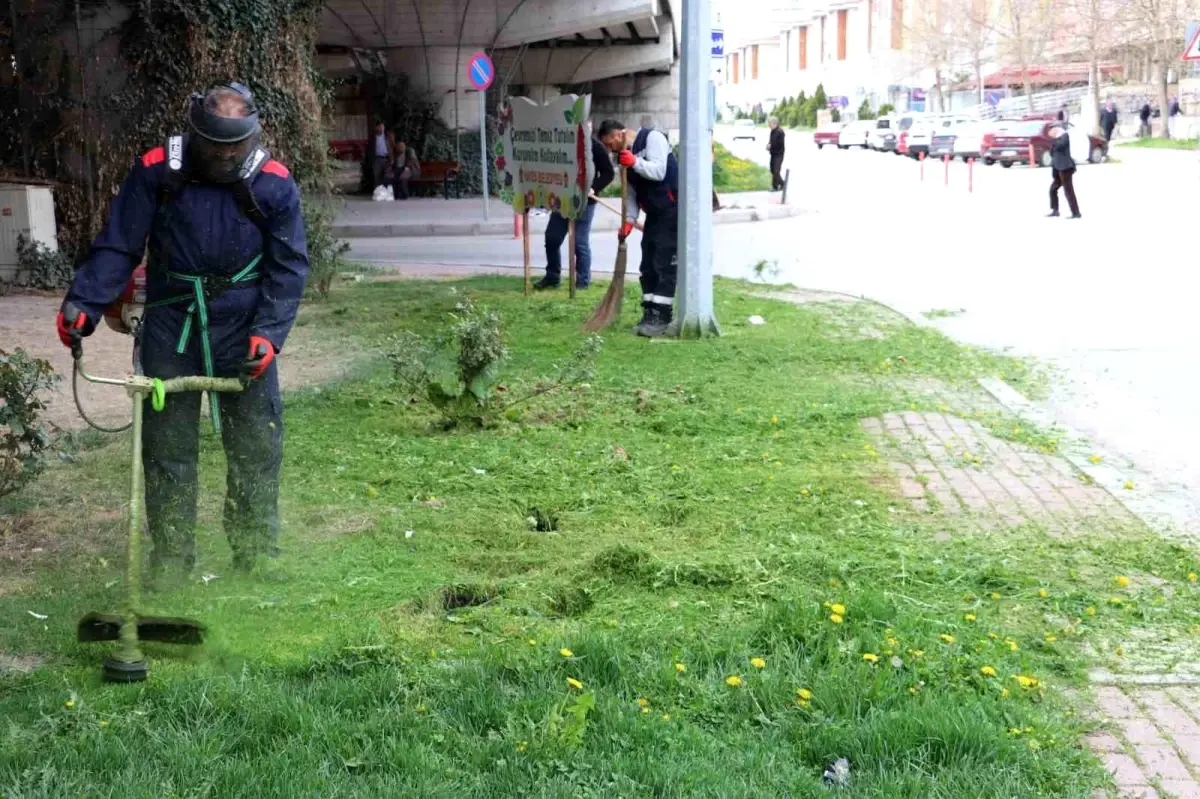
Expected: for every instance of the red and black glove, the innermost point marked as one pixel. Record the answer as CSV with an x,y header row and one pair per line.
x,y
626,158
262,353
624,232
73,325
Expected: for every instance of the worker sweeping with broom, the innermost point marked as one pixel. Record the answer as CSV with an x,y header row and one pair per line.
x,y
227,265
653,188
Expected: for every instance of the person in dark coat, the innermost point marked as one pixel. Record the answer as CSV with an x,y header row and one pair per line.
x,y
775,147
1064,171
1108,120
226,268
559,226
1144,116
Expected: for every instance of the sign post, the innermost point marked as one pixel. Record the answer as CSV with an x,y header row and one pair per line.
x,y
543,159
481,72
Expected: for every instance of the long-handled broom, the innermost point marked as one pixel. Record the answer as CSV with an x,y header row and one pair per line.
x,y
609,309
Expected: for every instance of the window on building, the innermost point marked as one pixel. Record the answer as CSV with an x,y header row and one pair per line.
x,y
897,24
804,48
842,23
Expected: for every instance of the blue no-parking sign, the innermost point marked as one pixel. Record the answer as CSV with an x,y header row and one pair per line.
x,y
480,71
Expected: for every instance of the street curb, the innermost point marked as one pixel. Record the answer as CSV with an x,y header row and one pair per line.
x,y
733,215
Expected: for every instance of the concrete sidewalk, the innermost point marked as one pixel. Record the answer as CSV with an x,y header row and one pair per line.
x,y
361,217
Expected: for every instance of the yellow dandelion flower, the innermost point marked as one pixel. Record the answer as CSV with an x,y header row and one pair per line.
x,y
917,653
837,608
969,617
1118,650
893,642
1012,645
574,683
522,746
987,671
1026,682
993,636
70,703
533,642
666,717
946,638
1128,485
912,690
1051,638
1122,581
1089,610
774,420
680,667
836,618
803,703
1192,577
870,657
643,702
804,694
758,663
103,723
1096,459
995,596
733,681
1043,593
567,653
645,710
1003,693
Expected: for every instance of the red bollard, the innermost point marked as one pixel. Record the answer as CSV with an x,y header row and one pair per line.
x,y
946,162
516,225
921,161
970,175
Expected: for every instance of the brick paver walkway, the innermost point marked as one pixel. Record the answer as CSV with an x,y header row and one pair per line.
x,y
948,465
1152,747
954,466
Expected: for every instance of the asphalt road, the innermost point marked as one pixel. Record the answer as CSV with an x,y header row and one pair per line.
x,y
1108,300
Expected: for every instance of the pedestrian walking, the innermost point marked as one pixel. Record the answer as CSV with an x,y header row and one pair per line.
x,y
221,225
1064,171
1144,116
383,155
1108,120
775,146
559,226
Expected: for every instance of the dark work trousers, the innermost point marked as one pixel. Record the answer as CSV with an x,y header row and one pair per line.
x,y
660,263
251,432
380,166
556,232
776,166
400,185
1066,179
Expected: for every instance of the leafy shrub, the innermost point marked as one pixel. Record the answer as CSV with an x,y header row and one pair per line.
x,y
458,374
39,267
864,110
885,109
24,439
326,254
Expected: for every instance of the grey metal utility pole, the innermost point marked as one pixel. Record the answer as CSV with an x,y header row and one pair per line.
x,y
694,316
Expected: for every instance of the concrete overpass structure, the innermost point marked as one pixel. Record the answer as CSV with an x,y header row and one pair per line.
x,y
624,52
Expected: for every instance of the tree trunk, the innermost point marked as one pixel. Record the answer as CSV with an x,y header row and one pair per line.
x,y
1028,87
979,80
1093,111
1164,112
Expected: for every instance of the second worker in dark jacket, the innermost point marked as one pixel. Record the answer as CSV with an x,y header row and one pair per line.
x,y
1064,171
559,226
775,147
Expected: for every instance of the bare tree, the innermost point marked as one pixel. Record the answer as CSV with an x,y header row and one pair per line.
x,y
1160,24
934,46
974,32
1024,28
1095,28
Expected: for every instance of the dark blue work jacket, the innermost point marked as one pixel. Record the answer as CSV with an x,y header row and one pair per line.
x,y
201,231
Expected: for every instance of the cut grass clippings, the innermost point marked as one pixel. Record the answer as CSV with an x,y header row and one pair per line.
x,y
731,596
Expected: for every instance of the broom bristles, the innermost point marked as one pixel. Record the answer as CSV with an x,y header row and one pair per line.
x,y
609,309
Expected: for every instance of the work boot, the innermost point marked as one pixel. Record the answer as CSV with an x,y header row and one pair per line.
x,y
545,283
1052,214
645,316
657,322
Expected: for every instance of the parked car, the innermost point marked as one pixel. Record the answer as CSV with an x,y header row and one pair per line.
x,y
828,134
920,136
902,126
1011,145
882,137
745,129
941,145
855,134
968,140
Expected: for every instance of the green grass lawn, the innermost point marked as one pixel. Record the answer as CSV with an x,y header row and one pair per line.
x,y
1157,143
674,635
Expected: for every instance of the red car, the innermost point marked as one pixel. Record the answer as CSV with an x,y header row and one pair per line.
x,y
828,134
1011,144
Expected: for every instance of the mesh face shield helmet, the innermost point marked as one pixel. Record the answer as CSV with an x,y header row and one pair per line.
x,y
220,145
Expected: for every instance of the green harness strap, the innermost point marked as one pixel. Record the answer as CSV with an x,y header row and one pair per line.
x,y
199,307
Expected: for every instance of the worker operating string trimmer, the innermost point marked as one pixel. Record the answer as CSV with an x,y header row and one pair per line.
x,y
226,268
